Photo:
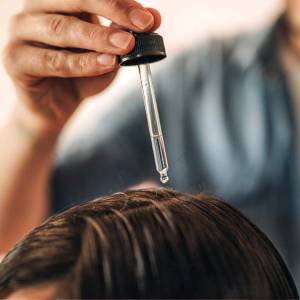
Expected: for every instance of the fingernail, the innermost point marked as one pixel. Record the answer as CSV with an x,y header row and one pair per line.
x,y
141,18
107,60
121,39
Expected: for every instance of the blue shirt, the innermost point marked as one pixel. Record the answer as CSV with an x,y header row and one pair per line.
x,y
229,127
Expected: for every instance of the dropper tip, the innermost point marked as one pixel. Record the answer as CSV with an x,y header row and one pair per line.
x,y
164,178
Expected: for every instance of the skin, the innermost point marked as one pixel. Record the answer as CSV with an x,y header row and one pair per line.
x,y
293,12
57,56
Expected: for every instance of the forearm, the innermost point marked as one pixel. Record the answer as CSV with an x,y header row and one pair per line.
x,y
25,165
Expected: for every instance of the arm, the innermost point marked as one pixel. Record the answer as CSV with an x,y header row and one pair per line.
x,y
25,162
51,82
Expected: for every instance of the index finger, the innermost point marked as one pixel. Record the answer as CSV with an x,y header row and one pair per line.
x,y
127,13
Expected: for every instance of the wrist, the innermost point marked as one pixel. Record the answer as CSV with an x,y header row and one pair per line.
x,y
35,127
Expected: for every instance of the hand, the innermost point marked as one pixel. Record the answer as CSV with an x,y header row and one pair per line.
x,y
59,54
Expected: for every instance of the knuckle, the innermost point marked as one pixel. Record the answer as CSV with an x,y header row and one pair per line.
x,y
94,34
81,63
57,24
56,62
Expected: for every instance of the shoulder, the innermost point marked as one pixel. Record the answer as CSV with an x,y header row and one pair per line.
x,y
185,75
237,47
240,50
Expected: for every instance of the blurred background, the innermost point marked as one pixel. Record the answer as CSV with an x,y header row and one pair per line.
x,y
182,26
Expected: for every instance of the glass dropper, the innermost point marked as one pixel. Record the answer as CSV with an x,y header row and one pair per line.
x,y
150,48
156,135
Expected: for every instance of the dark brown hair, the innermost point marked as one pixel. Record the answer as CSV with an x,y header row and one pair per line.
x,y
149,244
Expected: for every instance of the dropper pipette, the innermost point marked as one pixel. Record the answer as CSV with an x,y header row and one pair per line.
x,y
149,48
156,135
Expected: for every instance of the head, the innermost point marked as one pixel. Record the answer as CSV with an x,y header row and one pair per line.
x,y
146,244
